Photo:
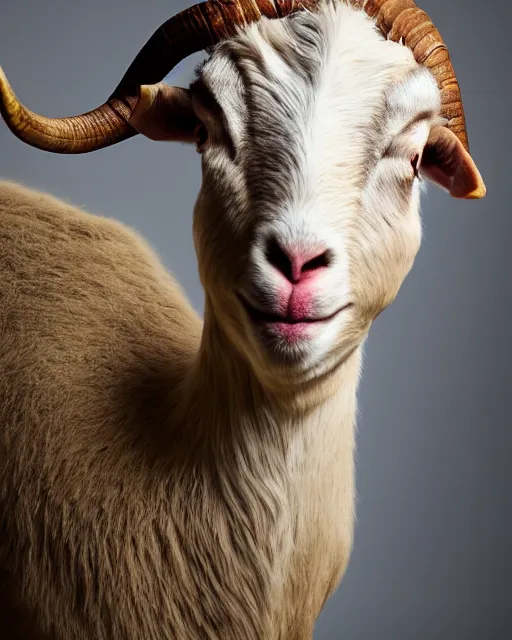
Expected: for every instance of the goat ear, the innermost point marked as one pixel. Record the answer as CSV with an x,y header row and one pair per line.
x,y
163,112
446,162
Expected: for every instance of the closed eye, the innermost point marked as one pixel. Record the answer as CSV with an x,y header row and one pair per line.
x,y
209,111
415,164
201,136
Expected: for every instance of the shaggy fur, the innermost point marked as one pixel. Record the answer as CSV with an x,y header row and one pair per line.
x,y
165,479
129,509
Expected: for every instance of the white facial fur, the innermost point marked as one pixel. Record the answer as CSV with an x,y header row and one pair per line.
x,y
314,124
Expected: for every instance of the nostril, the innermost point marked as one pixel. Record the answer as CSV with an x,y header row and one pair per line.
x,y
295,264
322,260
279,259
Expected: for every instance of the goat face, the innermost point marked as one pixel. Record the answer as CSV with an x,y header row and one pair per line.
x,y
307,221
312,131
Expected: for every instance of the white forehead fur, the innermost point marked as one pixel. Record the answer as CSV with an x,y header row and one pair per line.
x,y
315,87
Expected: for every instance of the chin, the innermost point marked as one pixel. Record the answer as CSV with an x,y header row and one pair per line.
x,y
298,351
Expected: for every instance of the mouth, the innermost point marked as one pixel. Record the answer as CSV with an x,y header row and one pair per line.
x,y
269,320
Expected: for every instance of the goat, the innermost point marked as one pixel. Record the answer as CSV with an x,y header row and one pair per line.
x,y
165,477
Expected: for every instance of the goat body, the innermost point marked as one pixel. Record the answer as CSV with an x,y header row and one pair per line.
x,y
137,498
167,478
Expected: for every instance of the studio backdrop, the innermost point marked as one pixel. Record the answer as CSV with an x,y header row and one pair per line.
x,y
432,556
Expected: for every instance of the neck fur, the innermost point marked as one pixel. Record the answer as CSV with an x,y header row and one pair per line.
x,y
274,475
223,405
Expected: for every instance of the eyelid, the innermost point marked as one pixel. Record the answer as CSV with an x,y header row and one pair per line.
x,y
413,136
210,112
424,116
416,163
200,147
418,133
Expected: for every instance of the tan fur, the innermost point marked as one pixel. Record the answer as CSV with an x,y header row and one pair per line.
x,y
142,495
165,479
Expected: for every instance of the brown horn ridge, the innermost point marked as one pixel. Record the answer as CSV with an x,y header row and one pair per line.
x,y
403,20
204,25
189,31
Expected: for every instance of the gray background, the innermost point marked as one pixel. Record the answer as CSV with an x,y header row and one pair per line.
x,y
432,556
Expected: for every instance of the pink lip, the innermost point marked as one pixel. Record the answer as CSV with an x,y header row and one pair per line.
x,y
285,325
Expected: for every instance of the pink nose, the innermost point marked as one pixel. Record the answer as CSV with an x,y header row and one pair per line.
x,y
297,263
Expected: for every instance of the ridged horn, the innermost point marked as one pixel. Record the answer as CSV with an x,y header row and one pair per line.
x,y
403,20
204,25
192,30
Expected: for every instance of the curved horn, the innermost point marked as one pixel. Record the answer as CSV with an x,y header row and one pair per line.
x,y
402,20
202,26
194,29
79,134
